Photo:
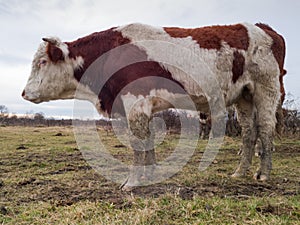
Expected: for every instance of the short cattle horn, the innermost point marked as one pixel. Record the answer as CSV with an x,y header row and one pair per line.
x,y
52,41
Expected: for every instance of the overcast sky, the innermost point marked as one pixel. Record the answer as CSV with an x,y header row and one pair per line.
x,y
24,23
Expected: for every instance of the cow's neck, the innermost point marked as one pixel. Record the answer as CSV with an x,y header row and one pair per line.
x,y
93,46
90,48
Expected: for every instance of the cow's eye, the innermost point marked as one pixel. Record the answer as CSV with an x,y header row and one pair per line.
x,y
42,62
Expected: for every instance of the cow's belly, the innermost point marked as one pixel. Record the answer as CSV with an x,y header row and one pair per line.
x,y
161,99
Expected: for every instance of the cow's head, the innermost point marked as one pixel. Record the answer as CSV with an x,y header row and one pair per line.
x,y
52,72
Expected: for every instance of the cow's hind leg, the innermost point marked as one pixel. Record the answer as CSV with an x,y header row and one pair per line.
x,y
266,103
246,118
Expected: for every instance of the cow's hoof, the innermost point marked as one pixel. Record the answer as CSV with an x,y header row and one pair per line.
x,y
260,177
127,188
237,175
128,185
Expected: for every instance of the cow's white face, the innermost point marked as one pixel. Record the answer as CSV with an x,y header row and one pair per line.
x,y
52,72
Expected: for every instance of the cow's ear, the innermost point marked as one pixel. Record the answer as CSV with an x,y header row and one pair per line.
x,y
50,40
55,53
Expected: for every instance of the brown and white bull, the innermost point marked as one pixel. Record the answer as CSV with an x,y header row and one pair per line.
x,y
246,59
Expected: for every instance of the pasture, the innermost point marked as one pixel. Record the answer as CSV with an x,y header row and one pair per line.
x,y
45,180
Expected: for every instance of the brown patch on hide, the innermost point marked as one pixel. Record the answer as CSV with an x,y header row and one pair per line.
x,y
278,49
238,65
107,84
93,46
236,36
119,83
55,54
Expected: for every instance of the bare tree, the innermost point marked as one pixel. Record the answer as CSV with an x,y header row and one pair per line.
x,y
3,110
39,116
3,114
291,102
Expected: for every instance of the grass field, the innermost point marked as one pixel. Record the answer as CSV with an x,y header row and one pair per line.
x,y
45,180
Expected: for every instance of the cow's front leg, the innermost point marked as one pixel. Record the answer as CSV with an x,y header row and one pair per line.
x,y
150,163
141,142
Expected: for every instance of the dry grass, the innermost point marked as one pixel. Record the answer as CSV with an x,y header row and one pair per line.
x,y
45,180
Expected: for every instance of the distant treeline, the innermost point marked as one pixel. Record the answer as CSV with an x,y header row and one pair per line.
x,y
172,122
38,121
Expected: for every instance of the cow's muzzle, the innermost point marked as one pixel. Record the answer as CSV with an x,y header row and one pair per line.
x,y
34,100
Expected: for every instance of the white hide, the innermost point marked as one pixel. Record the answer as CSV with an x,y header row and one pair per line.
x,y
212,65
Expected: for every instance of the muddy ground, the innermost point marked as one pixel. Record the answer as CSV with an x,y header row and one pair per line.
x,y
75,180
42,166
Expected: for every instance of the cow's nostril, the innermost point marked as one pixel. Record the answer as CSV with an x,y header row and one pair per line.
x,y
23,93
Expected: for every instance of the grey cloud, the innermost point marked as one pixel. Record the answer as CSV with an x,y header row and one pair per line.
x,y
24,23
